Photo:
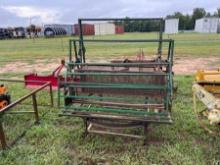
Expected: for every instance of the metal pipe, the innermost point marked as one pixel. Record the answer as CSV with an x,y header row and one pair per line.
x,y
118,74
155,106
75,50
95,115
23,98
120,19
121,64
70,50
136,40
51,96
18,112
34,100
160,39
20,81
24,81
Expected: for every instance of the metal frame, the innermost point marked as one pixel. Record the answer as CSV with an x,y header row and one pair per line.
x,y
6,109
77,49
81,40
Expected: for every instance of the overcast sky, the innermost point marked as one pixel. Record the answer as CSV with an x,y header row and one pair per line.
x,y
22,12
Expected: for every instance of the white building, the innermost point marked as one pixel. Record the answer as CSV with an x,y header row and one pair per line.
x,y
104,28
171,26
207,25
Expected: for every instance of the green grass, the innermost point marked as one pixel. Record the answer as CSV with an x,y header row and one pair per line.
x,y
191,44
58,140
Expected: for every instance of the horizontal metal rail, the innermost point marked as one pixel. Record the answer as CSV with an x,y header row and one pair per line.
x,y
31,81
13,104
121,64
101,115
122,19
117,104
21,81
116,73
115,110
24,98
119,40
116,86
111,98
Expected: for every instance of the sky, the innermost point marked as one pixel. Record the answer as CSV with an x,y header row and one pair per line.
x,y
25,12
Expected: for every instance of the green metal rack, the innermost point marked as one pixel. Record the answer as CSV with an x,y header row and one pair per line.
x,y
120,92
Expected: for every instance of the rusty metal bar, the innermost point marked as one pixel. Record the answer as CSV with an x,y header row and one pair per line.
x,y
18,112
51,96
34,100
99,115
18,80
158,106
7,108
12,80
23,98
90,130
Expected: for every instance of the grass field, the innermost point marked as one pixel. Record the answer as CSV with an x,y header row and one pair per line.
x,y
191,44
58,140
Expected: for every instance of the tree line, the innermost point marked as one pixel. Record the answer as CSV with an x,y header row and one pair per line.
x,y
186,21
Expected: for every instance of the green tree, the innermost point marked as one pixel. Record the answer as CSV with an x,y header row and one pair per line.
x,y
198,13
217,13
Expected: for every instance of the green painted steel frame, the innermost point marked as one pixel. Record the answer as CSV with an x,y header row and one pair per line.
x,y
81,40
79,53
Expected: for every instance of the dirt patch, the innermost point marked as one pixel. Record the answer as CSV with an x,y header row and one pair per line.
x,y
187,65
39,66
182,65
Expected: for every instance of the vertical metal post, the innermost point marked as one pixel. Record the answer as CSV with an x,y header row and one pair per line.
x,y
70,51
169,50
75,51
2,136
58,93
172,50
160,39
81,44
51,95
34,100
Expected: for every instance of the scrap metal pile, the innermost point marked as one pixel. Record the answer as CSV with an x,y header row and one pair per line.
x,y
207,90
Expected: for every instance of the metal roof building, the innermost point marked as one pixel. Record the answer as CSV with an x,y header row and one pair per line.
x,y
208,25
171,26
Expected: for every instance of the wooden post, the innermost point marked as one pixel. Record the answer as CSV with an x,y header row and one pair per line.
x,y
34,100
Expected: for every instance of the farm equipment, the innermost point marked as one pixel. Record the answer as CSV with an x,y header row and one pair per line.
x,y
4,96
207,90
122,93
34,80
